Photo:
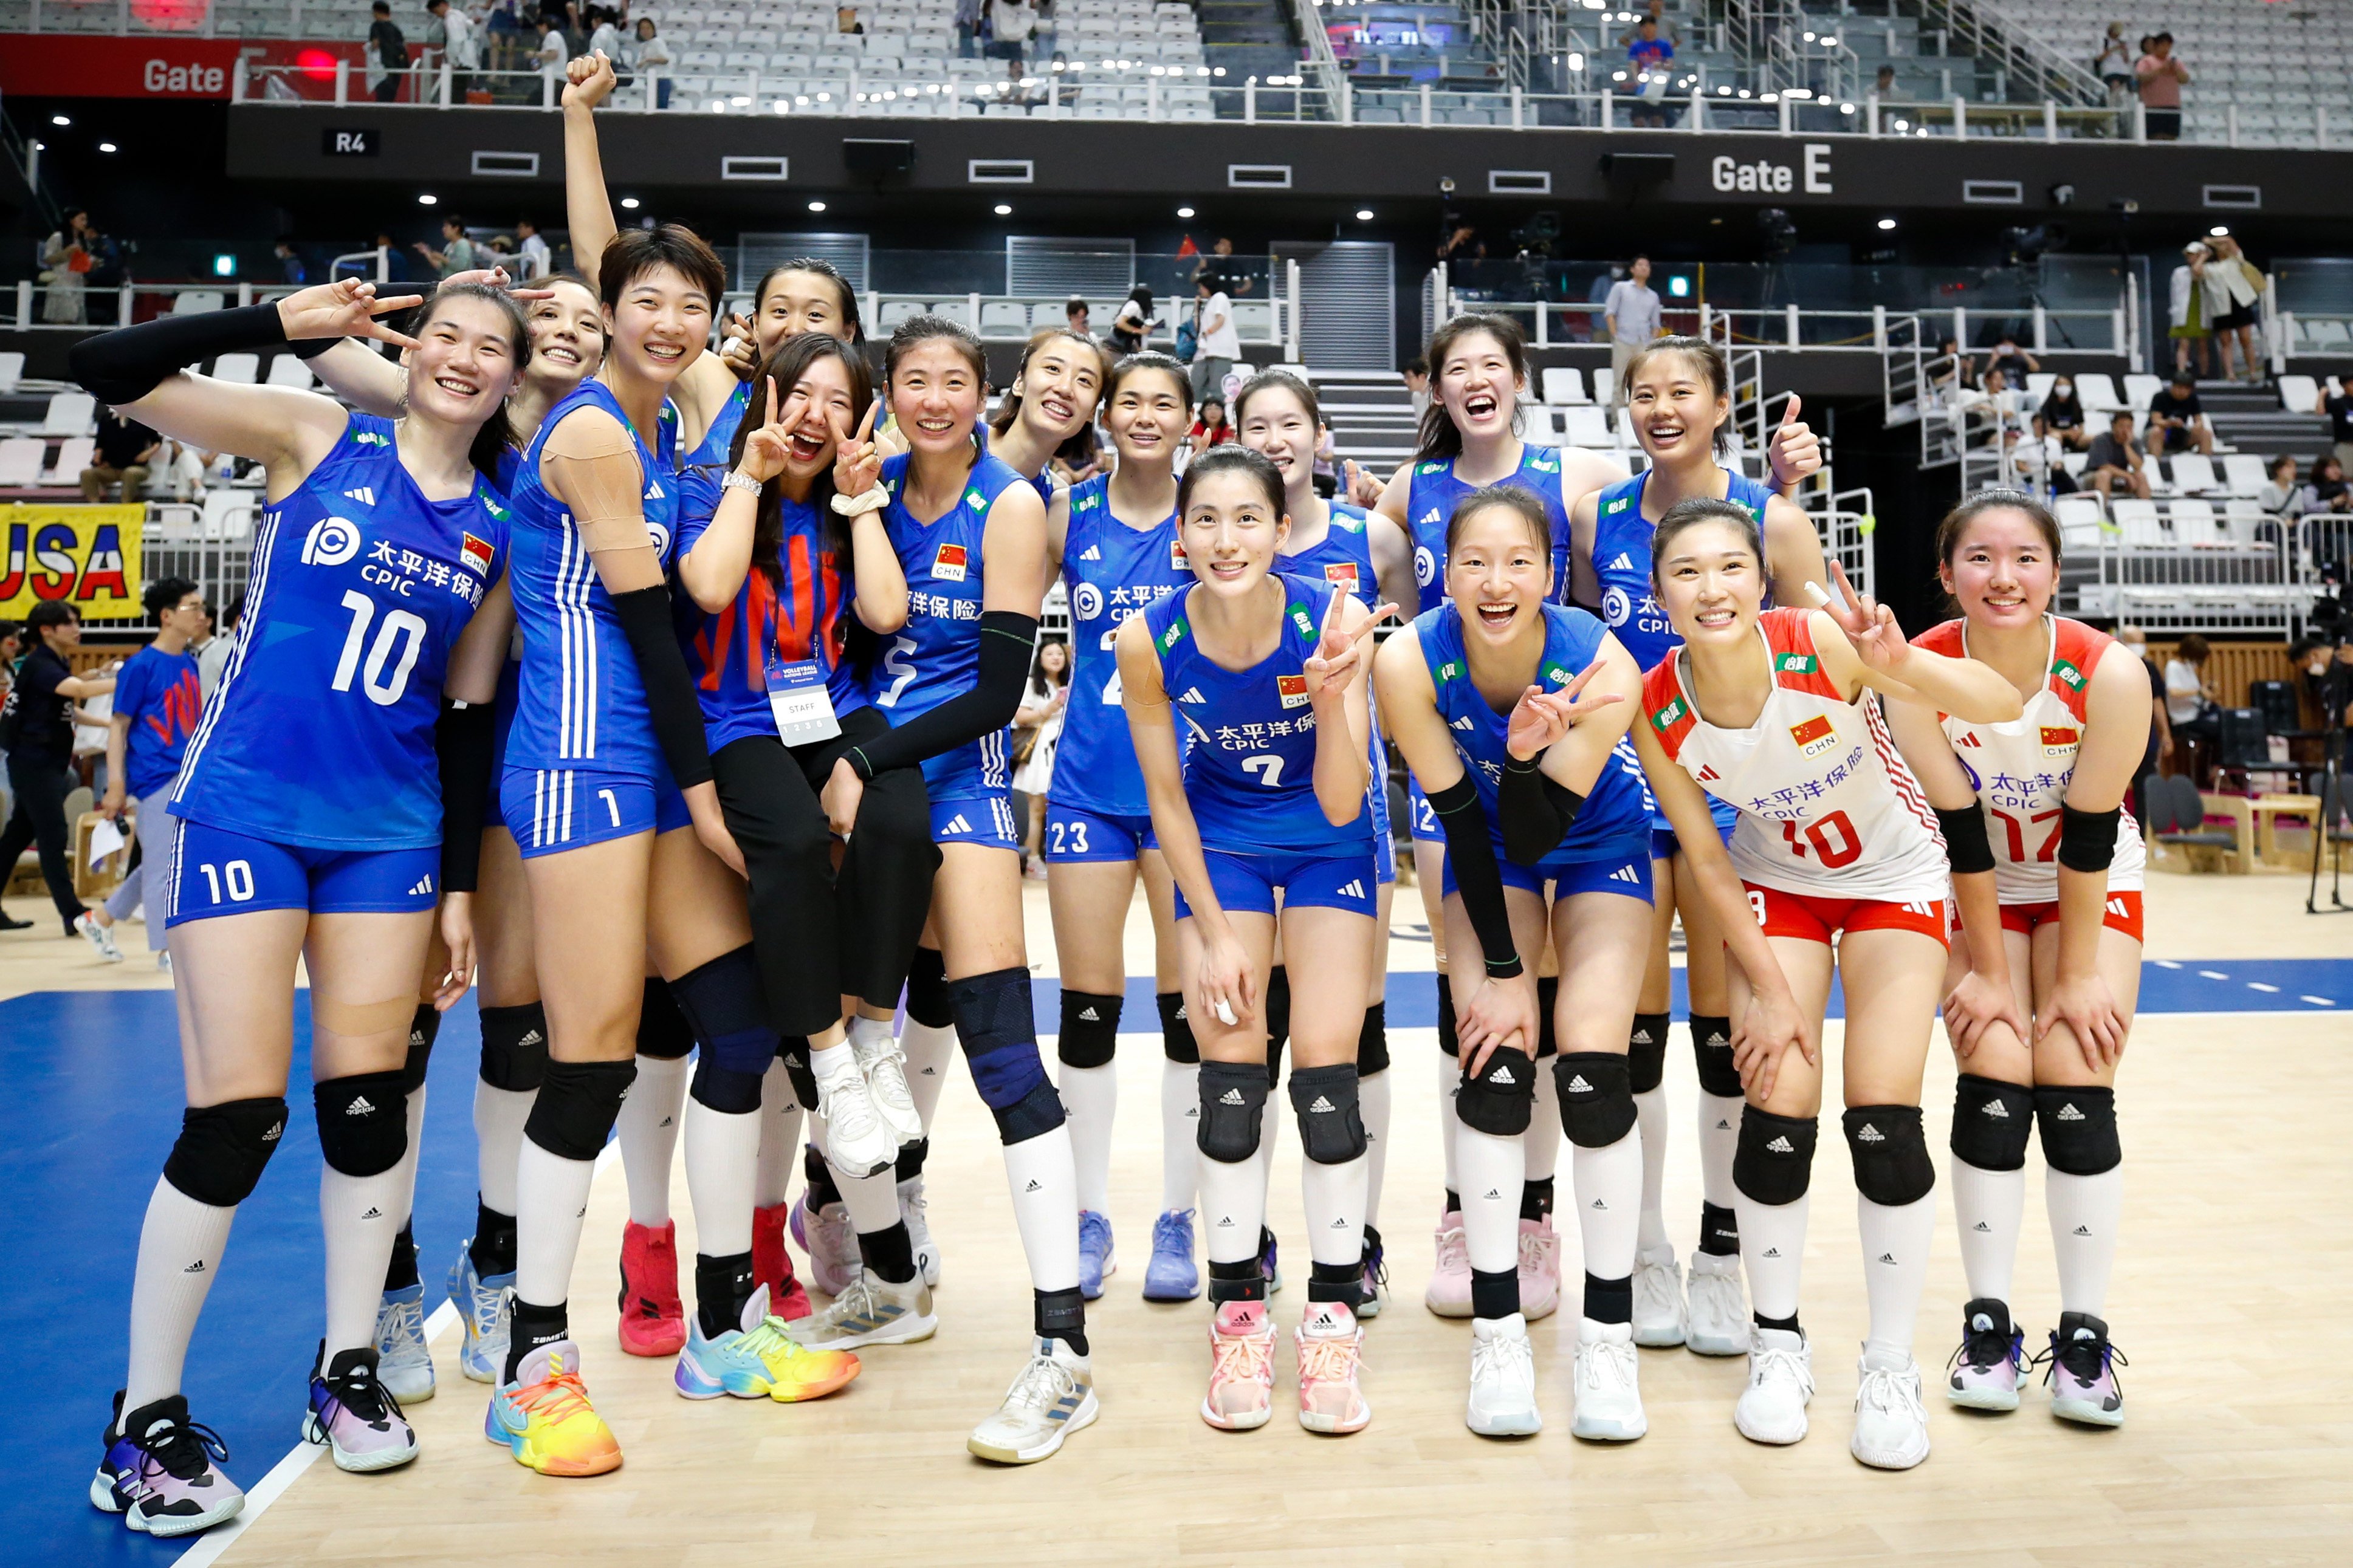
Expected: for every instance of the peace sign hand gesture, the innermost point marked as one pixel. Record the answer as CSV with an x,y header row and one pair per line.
x,y
1339,652
1795,451
1868,625
857,461
766,447
347,309
1541,718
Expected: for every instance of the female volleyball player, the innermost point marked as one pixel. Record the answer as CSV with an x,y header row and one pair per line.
x,y
1779,712
2045,812
1264,798
1047,416
1679,405
311,829
1461,691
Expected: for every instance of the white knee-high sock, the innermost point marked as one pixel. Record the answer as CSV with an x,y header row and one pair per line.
x,y
1270,1129
1373,1100
499,1116
1544,1132
551,1202
1233,1208
1450,1078
1651,1117
1180,1148
1090,1100
1988,1207
929,1050
180,1246
1895,1268
780,1138
1044,1179
1333,1196
1719,1143
408,1161
1610,1203
873,1201
648,1127
2084,1212
723,1158
1772,1252
360,1216
1492,1170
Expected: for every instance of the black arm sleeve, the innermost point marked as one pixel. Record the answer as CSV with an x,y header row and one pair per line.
x,y
1967,848
670,701
1005,639
1537,813
125,365
1476,876
462,742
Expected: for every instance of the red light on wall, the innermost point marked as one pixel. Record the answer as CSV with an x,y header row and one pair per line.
x,y
316,63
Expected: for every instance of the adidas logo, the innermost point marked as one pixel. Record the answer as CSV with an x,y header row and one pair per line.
x,y
1031,1187
1355,889
273,1135
532,1037
1597,1204
1493,1196
1232,1097
1090,553
359,1107
957,823
373,1213
1887,1257
1322,1107
1625,874
416,1038
1870,1135
1577,1084
1779,1146
424,888
1192,694
1641,1037
2068,1112
1463,723
1772,1252
1502,1077
196,1267
1983,1227
1624,563
1995,1108
929,1072
1089,1015
2083,1230
1192,1113
1226,1223
1722,1125
364,495
1338,1225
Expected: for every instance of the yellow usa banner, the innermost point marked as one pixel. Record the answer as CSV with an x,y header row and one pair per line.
x,y
85,555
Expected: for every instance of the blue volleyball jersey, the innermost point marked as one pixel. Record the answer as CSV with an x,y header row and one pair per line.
x,y
718,448
1616,809
580,703
1344,556
321,731
1435,492
1111,571
159,693
800,615
1249,734
936,655
1622,562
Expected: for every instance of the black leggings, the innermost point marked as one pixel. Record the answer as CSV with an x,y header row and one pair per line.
x,y
821,934
40,818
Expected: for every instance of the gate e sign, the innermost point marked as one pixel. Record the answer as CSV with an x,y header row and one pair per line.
x,y
1766,177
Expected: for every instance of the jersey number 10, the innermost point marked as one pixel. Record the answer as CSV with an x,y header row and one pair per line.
x,y
1834,840
401,627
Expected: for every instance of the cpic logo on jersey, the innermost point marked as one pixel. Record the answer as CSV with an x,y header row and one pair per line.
x,y
1425,565
1615,605
331,541
1087,603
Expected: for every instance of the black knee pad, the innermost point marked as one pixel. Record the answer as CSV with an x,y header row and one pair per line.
x,y
423,1028
1891,1167
1278,1008
662,1029
793,1050
2079,1129
577,1104
1992,1122
726,1012
726,1089
1034,1115
514,1047
927,990
1090,1029
1712,1049
1175,1030
363,1122
1448,1041
1373,1041
1273,1066
1502,1098
1233,1097
1597,1098
1331,1123
222,1149
1646,1051
1775,1161
1547,1001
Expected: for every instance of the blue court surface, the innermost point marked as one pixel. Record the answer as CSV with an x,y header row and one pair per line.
x,y
94,1103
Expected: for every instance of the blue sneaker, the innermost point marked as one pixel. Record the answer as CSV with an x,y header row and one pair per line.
x,y
1171,1276
404,1364
1266,1260
758,1359
482,1302
1095,1258
1376,1275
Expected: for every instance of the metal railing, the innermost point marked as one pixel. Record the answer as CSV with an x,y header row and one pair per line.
x,y
2017,54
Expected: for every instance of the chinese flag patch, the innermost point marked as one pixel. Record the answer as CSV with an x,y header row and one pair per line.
x,y
474,554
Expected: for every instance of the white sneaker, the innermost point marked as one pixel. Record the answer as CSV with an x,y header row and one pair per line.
x,y
101,938
1718,1321
869,1311
1658,1298
1503,1379
1772,1408
884,1067
912,1204
1053,1397
164,962
856,1141
1890,1427
1608,1397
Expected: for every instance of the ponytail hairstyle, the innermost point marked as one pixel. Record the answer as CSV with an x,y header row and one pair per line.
x,y
1227,458
785,367
1956,523
1149,359
1516,499
495,438
1714,369
1438,439
853,330
1277,381
1079,449
1689,514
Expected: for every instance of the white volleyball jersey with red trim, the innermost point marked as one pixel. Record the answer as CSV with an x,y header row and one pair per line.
x,y
1827,805
2021,769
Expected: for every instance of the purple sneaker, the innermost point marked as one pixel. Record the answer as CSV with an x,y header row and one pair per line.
x,y
355,1416
158,1471
2081,1371
1992,1357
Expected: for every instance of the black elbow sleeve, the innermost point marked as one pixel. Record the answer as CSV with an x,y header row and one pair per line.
x,y
125,365
462,744
1966,845
670,703
1006,639
2087,839
1537,812
1477,878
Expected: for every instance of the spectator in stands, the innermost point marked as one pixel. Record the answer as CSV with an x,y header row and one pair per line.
x,y
68,257
969,14
37,727
12,647
1217,343
2189,705
452,32
1883,86
845,21
2013,362
289,263
1074,312
2188,313
2115,459
1461,244
217,641
1132,325
126,452
1210,426
2158,751
2176,419
1651,53
553,49
1633,313
1995,403
1046,32
2113,66
2328,491
2162,76
2280,496
2061,418
1655,14
458,254
1416,384
1016,87
1010,23
530,245
387,53
1218,264
648,53
2337,402
606,32
502,35
2234,289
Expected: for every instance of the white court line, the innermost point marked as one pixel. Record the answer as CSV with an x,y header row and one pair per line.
x,y
2212,974
209,1546
2259,985
2317,1001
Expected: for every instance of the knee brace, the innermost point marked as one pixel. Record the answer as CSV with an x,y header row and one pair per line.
x,y
1775,1161
723,1009
1090,1029
1597,1098
1175,1029
927,990
1448,1041
363,1122
514,1047
1278,1009
2079,1129
793,1050
1646,1051
1547,1001
726,1089
994,1020
1373,1041
1502,1098
222,1149
1991,1121
1331,1123
1233,1097
1891,1167
662,1030
423,1030
1712,1047
577,1104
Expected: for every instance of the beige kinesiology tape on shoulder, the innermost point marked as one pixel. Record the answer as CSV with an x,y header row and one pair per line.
x,y
593,466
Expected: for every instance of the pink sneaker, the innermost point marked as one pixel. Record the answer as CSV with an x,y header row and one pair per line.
x,y
1241,1368
1331,1353
1540,1268
653,1320
772,1264
1449,1295
1986,1369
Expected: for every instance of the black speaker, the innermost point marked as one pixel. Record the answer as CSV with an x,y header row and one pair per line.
x,y
2276,701
869,159
2242,743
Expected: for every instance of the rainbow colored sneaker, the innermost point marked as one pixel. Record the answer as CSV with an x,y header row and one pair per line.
x,y
758,1359
545,1419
